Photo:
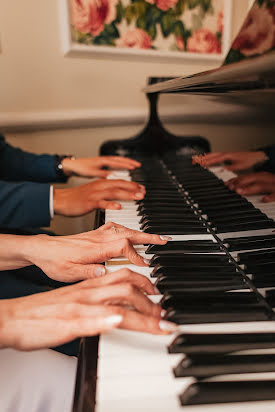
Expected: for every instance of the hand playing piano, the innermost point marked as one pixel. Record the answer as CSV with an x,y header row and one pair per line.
x,y
78,257
234,160
93,166
255,183
99,194
88,308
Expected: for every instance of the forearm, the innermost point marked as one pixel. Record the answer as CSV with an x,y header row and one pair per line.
x,y
15,251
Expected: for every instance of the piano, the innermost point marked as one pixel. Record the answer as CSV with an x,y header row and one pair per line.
x,y
216,276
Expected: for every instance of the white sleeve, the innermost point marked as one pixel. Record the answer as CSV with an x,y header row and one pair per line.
x,y
51,202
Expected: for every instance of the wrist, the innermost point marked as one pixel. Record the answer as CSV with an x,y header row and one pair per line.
x,y
32,248
67,164
59,201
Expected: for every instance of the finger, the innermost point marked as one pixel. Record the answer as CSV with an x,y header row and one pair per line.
x,y
104,204
247,179
137,237
122,247
119,183
120,164
269,198
123,160
131,320
123,294
142,323
119,194
123,275
252,189
81,272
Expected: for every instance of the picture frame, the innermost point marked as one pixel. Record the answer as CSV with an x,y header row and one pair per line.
x,y
73,48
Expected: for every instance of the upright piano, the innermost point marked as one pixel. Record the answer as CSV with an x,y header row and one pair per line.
x,y
216,276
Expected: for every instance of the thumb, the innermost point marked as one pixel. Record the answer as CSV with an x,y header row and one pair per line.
x,y
269,198
102,173
82,272
104,204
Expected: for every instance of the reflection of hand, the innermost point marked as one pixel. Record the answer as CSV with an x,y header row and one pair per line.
x,y
92,166
100,194
254,183
237,160
74,258
53,318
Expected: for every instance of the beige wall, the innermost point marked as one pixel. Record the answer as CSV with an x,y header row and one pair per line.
x,y
36,78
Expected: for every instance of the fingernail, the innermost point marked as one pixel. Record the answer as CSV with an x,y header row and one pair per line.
x,y
142,188
157,292
240,191
167,326
163,313
100,271
114,320
146,261
139,195
117,205
163,237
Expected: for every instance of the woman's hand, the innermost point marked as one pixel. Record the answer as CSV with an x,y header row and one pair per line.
x,y
254,183
100,194
74,258
113,231
93,166
234,160
53,318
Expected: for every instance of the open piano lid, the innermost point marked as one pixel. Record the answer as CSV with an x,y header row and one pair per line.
x,y
249,64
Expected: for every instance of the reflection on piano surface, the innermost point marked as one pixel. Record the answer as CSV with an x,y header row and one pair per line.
x,y
216,276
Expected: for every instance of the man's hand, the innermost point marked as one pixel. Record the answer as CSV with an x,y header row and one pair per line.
x,y
53,318
100,194
77,257
254,183
93,166
234,160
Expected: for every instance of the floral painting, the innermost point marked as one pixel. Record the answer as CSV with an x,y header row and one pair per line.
x,y
181,26
257,35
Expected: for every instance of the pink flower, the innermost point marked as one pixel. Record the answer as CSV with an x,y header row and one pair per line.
x,y
257,33
90,16
135,38
220,22
163,4
203,41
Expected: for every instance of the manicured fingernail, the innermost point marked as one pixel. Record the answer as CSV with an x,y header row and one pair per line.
x,y
142,188
163,313
167,326
100,271
139,195
114,320
146,261
240,191
117,205
163,237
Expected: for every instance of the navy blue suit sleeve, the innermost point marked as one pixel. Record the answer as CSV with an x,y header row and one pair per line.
x,y
18,165
24,204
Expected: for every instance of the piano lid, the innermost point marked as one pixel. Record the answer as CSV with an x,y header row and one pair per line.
x,y
249,64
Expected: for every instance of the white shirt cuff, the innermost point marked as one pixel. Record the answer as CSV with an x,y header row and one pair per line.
x,y
51,202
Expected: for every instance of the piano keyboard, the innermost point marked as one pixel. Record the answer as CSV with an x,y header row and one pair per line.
x,y
217,280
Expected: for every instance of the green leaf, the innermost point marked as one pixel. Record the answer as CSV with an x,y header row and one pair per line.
x,y
110,30
179,29
167,24
129,13
119,12
152,31
141,23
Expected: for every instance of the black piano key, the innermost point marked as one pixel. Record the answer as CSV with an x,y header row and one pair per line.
x,y
153,229
179,300
220,315
248,243
183,246
238,227
198,343
204,366
256,256
196,269
256,268
228,391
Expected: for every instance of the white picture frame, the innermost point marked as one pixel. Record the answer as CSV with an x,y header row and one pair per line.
x,y
73,49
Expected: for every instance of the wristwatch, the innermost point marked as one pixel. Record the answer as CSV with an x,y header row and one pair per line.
x,y
59,167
